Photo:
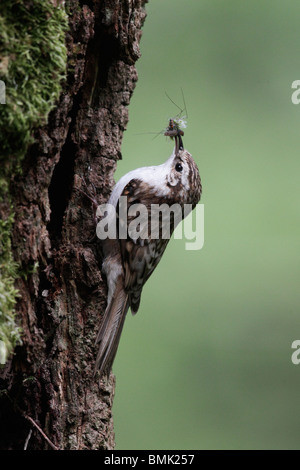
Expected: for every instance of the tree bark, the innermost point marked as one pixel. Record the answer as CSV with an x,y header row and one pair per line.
x,y
50,398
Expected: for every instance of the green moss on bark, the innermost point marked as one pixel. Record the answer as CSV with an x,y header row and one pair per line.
x,y
9,331
33,59
32,64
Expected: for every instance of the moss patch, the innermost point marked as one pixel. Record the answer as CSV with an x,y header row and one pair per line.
x,y
9,331
33,59
32,63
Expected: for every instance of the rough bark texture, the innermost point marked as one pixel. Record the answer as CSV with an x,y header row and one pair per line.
x,y
50,377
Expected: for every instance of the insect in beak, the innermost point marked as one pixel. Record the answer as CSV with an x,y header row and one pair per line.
x,y
173,131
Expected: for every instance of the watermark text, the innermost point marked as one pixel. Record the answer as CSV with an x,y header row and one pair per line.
x,y
157,221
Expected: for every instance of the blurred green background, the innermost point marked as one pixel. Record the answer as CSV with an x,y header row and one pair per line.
x,y
206,363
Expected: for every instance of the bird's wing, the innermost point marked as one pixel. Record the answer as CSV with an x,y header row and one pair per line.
x,y
140,252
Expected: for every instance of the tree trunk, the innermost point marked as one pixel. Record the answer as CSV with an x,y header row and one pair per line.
x,y
50,398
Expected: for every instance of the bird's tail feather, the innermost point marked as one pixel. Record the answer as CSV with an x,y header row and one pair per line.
x,y
111,328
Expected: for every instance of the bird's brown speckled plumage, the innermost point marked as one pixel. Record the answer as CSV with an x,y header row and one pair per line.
x,y
128,263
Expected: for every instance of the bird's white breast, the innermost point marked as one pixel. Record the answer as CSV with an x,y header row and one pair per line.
x,y
155,176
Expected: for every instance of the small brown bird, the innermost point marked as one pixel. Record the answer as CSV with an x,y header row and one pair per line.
x,y
129,261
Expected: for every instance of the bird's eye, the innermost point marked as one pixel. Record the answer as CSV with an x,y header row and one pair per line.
x,y
178,167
